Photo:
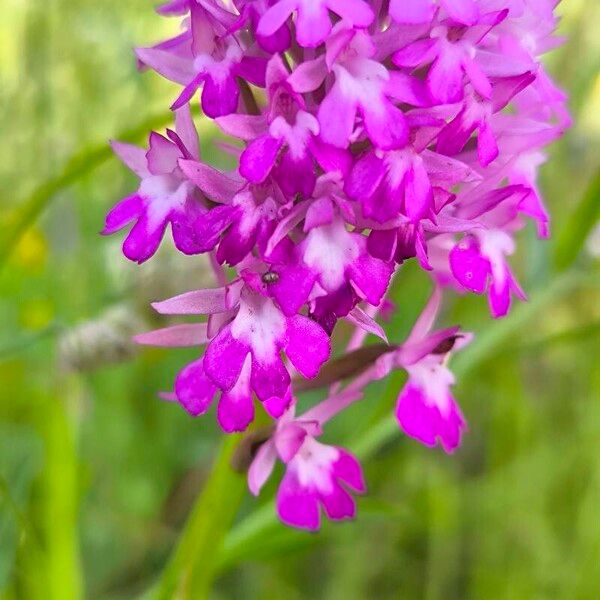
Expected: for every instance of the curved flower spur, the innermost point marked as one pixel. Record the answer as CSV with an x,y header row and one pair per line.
x,y
372,133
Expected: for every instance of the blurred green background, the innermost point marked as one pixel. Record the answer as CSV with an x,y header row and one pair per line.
x,y
97,476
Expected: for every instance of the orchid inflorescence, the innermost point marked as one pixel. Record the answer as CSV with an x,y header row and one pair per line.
x,y
372,132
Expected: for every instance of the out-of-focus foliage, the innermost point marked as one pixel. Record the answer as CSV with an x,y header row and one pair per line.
x,y
97,476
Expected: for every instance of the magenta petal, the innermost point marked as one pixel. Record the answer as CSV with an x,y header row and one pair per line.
x,y
177,336
469,267
416,53
416,418
288,441
338,503
337,115
220,97
313,24
143,239
499,299
418,192
198,302
215,184
451,428
270,380
487,147
382,243
463,11
243,127
500,295
194,390
356,12
277,405
224,359
188,92
320,212
122,213
235,413
276,17
293,288
454,136
175,68
506,88
445,78
407,89
359,318
278,42
132,156
211,225
184,231
258,158
479,79
415,350
308,345
295,176
425,423
371,277
365,177
252,69
329,157
297,506
386,126
348,469
411,12
184,125
309,75
261,467
235,410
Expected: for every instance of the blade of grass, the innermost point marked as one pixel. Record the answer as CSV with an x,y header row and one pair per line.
x,y
577,229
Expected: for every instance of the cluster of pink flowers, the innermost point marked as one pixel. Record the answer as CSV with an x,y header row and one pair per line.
x,y
369,133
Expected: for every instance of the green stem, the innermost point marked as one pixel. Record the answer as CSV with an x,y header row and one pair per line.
x,y
61,499
191,570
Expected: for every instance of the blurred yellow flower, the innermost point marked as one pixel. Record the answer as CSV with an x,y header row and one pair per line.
x,y
32,250
36,314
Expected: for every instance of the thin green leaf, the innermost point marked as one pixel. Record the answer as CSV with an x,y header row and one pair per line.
x,y
577,229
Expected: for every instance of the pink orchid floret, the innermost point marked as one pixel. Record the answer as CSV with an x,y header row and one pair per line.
x,y
165,195
205,57
317,475
426,409
248,333
251,12
279,142
313,23
482,257
365,134
361,86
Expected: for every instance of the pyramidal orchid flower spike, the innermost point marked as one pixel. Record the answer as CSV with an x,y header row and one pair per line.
x,y
369,133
